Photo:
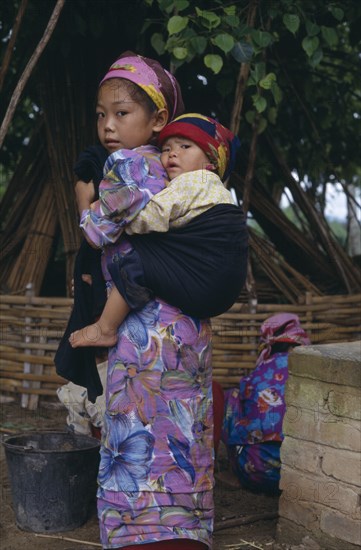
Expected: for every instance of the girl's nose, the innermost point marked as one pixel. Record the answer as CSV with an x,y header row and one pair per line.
x,y
108,124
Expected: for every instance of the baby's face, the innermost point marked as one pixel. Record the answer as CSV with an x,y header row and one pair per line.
x,y
181,155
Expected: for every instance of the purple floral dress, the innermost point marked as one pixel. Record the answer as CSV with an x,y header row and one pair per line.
x,y
252,427
156,469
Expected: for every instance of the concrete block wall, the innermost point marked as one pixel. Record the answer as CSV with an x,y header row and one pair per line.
x,y
321,453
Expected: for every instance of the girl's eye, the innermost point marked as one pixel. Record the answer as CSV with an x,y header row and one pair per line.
x,y
121,113
99,115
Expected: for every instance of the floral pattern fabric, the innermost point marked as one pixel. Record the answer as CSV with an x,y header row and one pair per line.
x,y
156,469
252,427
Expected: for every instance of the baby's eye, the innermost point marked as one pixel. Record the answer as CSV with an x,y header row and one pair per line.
x,y
165,149
185,146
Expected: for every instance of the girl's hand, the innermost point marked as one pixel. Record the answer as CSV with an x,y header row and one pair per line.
x,y
84,194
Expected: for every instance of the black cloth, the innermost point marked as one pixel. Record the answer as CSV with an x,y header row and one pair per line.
x,y
78,364
200,267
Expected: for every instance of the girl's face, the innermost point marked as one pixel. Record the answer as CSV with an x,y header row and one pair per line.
x,y
181,155
122,122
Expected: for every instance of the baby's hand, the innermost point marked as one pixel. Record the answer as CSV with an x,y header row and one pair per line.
x,y
85,194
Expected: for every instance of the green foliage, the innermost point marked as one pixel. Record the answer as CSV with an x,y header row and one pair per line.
x,y
295,51
302,90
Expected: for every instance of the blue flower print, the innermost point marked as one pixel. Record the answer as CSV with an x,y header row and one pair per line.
x,y
125,459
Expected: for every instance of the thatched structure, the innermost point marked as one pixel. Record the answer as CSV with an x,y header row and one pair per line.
x,y
38,211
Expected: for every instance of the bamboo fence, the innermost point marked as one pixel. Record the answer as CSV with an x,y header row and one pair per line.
x,y
31,328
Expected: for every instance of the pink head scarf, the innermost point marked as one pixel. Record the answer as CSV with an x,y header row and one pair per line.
x,y
283,327
160,85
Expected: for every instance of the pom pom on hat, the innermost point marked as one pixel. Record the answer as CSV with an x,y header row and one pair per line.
x,y
218,143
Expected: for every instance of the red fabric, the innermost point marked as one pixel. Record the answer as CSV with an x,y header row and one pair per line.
x,y
96,432
218,412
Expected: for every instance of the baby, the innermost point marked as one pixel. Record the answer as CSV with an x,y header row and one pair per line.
x,y
197,152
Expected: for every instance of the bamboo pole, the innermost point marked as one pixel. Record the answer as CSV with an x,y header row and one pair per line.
x,y
36,300
27,339
50,378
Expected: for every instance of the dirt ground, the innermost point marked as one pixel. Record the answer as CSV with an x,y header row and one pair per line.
x,y
232,503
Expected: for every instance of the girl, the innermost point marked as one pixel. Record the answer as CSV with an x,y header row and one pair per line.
x,y
197,152
156,469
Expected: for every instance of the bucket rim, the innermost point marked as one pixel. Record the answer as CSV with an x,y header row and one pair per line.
x,y
93,442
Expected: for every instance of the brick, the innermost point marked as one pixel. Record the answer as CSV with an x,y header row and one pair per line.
x,y
304,514
323,397
308,460
322,428
319,490
337,525
342,465
335,363
295,536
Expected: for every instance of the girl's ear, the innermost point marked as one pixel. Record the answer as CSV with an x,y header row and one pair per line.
x,y
161,119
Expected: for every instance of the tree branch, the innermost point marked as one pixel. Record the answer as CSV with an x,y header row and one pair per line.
x,y
29,68
10,47
242,77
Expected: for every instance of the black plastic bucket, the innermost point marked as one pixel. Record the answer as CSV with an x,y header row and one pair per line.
x,y
53,479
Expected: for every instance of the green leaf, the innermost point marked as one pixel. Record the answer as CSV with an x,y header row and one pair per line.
x,y
262,39
208,19
181,5
177,24
267,82
316,57
259,102
166,5
338,13
158,43
262,125
259,71
291,22
310,44
329,35
277,93
250,116
198,44
213,62
311,28
224,41
232,21
242,52
149,2
230,10
180,53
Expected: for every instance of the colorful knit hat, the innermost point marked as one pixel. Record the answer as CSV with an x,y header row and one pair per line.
x,y
283,327
219,144
148,74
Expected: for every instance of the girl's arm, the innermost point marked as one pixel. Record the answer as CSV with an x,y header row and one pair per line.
x,y
131,178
